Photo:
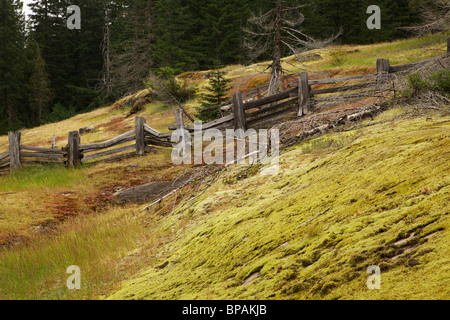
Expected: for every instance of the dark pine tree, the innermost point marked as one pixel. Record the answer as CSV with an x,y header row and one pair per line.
x,y
39,91
13,110
171,46
73,57
215,98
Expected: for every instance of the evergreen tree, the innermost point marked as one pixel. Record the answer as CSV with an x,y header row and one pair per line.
x,y
173,45
48,29
324,17
39,90
73,57
215,98
223,23
13,113
215,31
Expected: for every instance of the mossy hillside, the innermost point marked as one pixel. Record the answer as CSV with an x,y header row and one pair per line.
x,y
374,186
398,52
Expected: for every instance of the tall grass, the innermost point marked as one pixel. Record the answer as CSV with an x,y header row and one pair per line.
x,y
41,177
96,244
398,52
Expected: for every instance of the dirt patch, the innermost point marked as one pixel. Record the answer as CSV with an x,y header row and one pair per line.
x,y
119,179
137,185
431,235
118,125
255,82
404,251
64,205
8,241
45,227
48,143
254,276
105,197
4,239
403,241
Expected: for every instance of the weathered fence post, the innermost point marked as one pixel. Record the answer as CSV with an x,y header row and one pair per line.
x,y
73,152
180,123
14,150
140,136
238,111
303,94
182,134
54,141
382,70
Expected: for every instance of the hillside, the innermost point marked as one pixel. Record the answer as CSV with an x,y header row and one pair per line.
x,y
383,190
372,193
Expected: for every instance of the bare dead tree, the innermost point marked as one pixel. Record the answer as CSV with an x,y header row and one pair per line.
x,y
280,28
435,15
165,95
130,62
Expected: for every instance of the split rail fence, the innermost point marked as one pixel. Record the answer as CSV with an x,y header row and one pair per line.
x,y
300,99
135,142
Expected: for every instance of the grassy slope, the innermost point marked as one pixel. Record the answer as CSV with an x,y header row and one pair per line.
x,y
381,183
34,197
110,121
56,217
27,196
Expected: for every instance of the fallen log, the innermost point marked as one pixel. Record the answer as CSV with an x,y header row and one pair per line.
x,y
319,129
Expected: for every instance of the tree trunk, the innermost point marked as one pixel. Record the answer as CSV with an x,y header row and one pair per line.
x,y
107,54
136,42
276,69
10,109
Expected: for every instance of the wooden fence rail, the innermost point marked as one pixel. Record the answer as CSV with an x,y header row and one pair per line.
x,y
125,137
76,153
4,163
301,97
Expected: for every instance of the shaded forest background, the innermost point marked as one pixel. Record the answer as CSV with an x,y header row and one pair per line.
x,y
49,73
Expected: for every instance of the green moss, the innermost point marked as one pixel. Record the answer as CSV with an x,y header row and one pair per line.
x,y
380,184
